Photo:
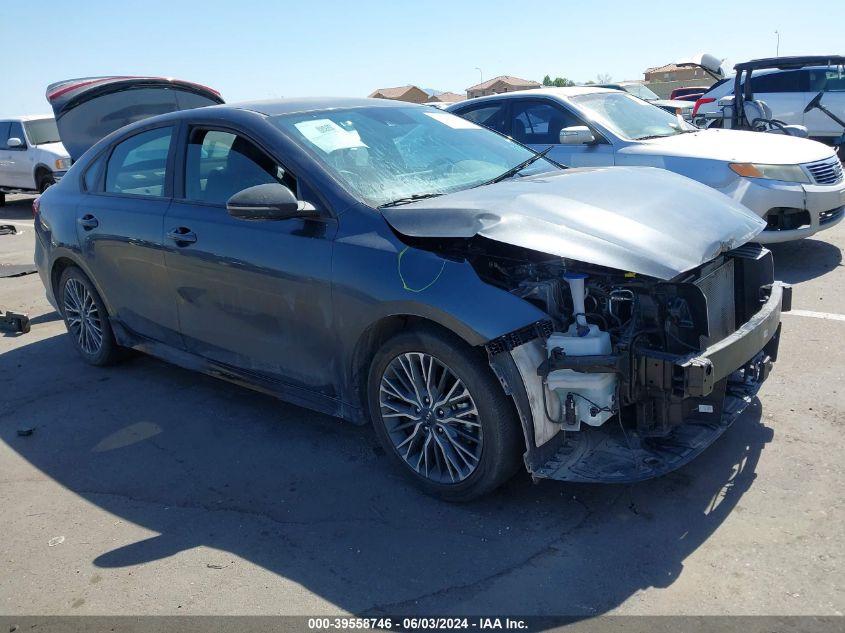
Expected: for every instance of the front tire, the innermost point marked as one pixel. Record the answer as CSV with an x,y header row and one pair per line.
x,y
440,413
86,319
44,181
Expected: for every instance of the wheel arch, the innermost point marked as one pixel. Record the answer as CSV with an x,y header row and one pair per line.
x,y
40,169
63,261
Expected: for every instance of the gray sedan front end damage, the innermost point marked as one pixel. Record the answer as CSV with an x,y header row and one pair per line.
x,y
661,327
707,391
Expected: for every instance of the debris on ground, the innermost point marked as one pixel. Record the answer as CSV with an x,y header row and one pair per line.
x,y
14,322
56,540
7,229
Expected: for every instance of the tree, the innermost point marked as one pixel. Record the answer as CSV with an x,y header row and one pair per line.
x,y
559,82
603,78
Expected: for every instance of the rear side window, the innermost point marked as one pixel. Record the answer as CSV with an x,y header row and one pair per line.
x,y
220,164
788,81
91,179
491,116
138,165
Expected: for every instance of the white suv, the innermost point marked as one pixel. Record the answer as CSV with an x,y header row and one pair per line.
x,y
787,92
31,156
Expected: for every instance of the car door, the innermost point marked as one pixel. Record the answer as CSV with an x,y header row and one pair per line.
x,y
254,295
5,158
119,226
831,83
538,122
17,162
784,92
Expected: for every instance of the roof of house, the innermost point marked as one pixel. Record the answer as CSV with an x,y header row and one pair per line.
x,y
394,93
448,97
666,68
513,81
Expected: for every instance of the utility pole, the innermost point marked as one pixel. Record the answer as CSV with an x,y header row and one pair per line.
x,y
777,46
480,75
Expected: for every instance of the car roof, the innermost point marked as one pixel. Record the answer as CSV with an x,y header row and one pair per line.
x,y
561,93
274,107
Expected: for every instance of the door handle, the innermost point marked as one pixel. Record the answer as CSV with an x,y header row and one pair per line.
x,y
182,234
88,222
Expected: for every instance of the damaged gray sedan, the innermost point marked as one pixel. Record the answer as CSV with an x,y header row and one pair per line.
x,y
384,262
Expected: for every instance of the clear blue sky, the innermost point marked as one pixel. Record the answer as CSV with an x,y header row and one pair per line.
x,y
255,49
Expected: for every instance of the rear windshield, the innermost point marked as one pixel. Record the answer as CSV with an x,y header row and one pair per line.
x,y
42,131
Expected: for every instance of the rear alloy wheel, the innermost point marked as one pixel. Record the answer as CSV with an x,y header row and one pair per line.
x,y
439,411
86,319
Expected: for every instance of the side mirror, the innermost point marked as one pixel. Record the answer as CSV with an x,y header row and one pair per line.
x,y
576,135
14,142
268,202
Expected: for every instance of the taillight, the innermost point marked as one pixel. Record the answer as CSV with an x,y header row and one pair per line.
x,y
700,102
36,206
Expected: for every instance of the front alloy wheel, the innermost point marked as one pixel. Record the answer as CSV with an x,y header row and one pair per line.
x,y
442,415
431,418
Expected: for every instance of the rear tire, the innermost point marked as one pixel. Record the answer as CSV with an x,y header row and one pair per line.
x,y
86,319
440,414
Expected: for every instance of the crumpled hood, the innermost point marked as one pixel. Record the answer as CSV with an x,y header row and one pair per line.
x,y
638,219
735,146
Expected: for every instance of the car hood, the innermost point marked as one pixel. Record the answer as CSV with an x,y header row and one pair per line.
x,y
672,103
735,146
54,148
638,219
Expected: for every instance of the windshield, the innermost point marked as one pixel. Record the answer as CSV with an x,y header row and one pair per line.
x,y
639,90
388,154
628,117
42,131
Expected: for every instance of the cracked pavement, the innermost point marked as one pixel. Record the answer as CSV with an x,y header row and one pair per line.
x,y
177,493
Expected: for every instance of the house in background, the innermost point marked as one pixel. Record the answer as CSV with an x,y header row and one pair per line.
x,y
671,72
447,97
412,94
498,85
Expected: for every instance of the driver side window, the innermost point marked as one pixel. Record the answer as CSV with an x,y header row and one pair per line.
x,y
539,123
220,164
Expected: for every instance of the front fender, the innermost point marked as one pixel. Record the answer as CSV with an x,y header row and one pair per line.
x,y
411,281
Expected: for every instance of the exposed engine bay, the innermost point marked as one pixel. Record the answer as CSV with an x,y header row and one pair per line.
x,y
635,361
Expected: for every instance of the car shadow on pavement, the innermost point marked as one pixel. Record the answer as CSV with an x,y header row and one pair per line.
x,y
19,208
205,463
803,260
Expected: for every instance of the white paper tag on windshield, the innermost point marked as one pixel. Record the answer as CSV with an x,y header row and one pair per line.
x,y
328,135
454,122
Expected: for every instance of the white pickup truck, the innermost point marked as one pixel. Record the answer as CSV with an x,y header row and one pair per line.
x,y
31,156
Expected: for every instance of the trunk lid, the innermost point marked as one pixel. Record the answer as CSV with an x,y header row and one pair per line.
x,y
91,108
